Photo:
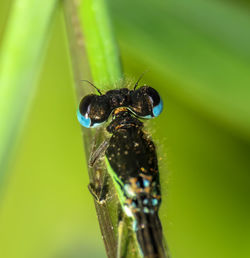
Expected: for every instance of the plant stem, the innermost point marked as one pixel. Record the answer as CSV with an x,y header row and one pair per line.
x,y
104,62
101,46
82,71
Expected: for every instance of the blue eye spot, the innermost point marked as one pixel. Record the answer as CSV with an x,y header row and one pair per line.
x,y
158,109
86,122
83,120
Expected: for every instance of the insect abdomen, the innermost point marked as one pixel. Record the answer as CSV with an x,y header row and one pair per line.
x,y
149,235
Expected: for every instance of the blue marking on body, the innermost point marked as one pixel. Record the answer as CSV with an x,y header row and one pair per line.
x,y
147,117
86,122
128,190
145,201
145,210
154,202
135,225
134,204
158,109
146,182
128,211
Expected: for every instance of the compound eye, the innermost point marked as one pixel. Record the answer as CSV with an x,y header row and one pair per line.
x,y
146,102
83,113
93,111
156,101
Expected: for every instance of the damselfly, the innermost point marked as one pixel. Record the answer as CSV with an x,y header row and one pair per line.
x,y
131,157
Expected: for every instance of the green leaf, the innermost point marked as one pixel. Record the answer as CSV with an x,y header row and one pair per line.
x,y
101,46
20,59
200,49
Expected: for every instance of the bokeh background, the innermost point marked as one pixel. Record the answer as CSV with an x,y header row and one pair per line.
x,y
198,56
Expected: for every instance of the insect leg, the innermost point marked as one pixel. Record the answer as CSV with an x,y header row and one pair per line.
x,y
99,187
98,153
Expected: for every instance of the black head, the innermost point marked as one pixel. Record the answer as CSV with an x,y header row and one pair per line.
x,y
144,102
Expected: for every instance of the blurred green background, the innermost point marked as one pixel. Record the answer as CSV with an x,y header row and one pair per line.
x,y
198,55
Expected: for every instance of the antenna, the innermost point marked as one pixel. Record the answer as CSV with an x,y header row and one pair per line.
x,y
136,84
92,85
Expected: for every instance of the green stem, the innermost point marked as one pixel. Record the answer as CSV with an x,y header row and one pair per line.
x,y
102,54
81,70
101,46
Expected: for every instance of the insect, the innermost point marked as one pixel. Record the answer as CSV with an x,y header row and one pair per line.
x,y
131,157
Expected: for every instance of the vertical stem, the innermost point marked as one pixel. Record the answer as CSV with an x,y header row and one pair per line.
x,y
102,54
101,46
